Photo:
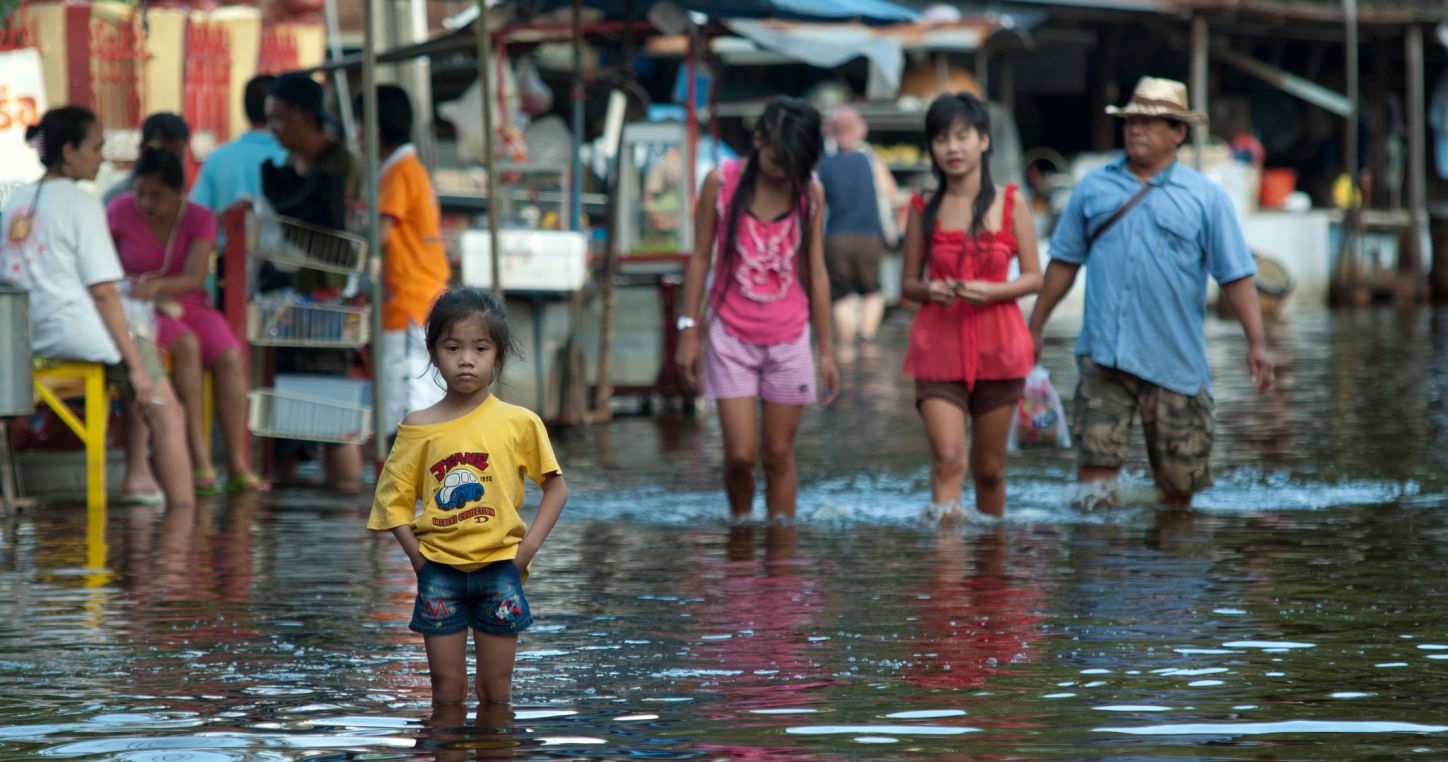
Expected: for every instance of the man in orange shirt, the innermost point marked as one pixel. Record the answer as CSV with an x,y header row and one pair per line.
x,y
414,266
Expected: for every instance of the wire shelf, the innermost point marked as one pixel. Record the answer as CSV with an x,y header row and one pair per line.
x,y
300,244
282,415
322,326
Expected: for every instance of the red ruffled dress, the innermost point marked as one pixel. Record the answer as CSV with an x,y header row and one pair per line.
x,y
966,342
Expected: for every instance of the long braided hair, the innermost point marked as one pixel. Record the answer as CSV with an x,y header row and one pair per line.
x,y
944,112
791,126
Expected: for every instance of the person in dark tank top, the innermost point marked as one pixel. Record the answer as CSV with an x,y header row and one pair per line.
x,y
859,226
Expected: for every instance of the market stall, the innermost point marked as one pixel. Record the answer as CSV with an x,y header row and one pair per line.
x,y
630,235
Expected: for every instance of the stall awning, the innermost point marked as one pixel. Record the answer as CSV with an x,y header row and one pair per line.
x,y
867,11
830,45
862,11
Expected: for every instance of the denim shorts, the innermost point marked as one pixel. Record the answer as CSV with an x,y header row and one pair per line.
x,y
489,600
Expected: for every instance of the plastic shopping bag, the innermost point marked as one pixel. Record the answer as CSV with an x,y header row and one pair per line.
x,y
1040,419
140,314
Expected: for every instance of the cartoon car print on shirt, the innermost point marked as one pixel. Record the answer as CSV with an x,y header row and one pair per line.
x,y
458,489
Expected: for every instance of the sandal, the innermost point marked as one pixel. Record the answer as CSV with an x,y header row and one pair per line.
x,y
205,483
246,484
142,498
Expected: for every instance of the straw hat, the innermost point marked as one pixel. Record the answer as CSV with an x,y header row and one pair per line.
x,y
1165,98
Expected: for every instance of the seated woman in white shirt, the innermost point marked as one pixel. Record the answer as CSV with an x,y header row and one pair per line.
x,y
58,247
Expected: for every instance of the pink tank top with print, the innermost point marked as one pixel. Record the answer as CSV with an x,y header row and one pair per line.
x,y
761,300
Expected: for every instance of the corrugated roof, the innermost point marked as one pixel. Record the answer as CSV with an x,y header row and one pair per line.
x,y
1373,12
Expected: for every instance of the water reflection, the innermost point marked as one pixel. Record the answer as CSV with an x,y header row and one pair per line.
x,y
977,613
754,625
448,737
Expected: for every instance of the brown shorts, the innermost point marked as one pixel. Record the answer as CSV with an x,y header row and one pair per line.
x,y
853,264
1178,428
987,395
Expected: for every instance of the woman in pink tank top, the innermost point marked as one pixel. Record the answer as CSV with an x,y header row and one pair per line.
x,y
763,217
970,351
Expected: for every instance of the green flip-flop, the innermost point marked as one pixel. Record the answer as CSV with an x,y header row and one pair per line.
x,y
246,484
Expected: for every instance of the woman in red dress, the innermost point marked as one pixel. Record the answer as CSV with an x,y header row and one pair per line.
x,y
970,350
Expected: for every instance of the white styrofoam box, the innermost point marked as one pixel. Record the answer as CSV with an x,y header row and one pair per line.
x,y
533,260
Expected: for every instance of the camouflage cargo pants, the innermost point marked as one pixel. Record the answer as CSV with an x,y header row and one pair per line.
x,y
1178,428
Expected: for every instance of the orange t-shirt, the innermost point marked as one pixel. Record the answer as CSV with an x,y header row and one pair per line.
x,y
415,268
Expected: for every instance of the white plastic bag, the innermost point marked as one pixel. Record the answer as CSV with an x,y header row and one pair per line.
x,y
1040,419
140,315
466,116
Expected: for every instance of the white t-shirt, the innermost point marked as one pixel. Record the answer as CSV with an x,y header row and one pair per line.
x,y
68,250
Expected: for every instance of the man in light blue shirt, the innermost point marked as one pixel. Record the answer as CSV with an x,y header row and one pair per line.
x,y
233,171
1150,230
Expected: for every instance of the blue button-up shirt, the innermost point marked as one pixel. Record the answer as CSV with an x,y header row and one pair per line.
x,y
1146,276
233,170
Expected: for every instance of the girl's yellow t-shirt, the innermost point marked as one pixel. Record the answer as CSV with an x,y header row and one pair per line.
x,y
460,483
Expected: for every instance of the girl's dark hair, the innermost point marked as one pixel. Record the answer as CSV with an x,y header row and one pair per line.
x,y
792,128
394,115
164,127
161,164
943,113
459,304
60,127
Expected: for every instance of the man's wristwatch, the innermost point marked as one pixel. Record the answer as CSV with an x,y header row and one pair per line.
x,y
684,323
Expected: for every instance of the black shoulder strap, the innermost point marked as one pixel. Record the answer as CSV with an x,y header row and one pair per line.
x,y
1126,207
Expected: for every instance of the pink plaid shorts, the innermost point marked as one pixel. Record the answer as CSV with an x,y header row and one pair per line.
x,y
780,373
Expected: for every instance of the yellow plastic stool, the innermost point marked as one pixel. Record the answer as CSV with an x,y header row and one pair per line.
x,y
92,431
208,407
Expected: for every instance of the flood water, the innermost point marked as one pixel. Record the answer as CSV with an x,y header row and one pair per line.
x,y
1298,613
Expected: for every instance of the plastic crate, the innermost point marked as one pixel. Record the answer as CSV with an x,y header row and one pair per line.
x,y
289,324
343,389
283,415
293,242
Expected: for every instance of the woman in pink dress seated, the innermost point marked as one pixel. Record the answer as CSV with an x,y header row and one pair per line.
x,y
165,245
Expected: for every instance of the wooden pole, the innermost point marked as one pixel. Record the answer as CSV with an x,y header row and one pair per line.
x,y
1412,287
608,286
371,163
1346,286
575,205
334,46
1199,84
691,110
1104,129
574,407
485,78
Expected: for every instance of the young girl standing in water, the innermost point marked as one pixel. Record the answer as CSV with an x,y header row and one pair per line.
x,y
764,214
969,349
464,459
